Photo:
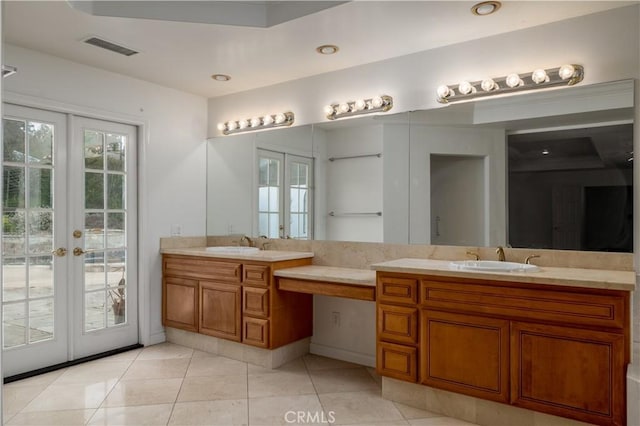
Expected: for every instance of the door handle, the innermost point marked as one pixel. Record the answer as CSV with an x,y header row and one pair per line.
x,y
60,252
78,251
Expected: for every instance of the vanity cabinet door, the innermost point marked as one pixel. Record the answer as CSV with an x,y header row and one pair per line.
x,y
220,310
465,354
568,372
180,303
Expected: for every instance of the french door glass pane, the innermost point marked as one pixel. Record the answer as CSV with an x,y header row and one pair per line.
x,y
41,320
105,230
299,200
14,324
40,276
14,275
28,232
269,197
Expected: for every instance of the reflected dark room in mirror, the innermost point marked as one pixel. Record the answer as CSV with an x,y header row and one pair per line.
x,y
572,189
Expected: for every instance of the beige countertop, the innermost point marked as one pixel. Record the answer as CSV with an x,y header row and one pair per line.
x,y
332,274
569,277
260,256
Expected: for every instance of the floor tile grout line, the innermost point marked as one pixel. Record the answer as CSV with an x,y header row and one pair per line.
x,y
306,367
173,406
248,399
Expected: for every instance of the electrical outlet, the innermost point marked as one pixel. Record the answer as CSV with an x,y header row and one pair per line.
x,y
176,230
335,319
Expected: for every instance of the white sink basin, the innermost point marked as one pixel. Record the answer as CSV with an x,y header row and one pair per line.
x,y
492,266
233,250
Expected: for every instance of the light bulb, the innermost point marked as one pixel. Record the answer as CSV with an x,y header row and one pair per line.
x,y
444,91
377,102
242,124
267,120
488,85
360,104
232,125
513,80
539,76
221,126
280,118
255,122
566,71
328,110
343,108
465,88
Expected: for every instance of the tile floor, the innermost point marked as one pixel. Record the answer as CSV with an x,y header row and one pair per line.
x,y
169,384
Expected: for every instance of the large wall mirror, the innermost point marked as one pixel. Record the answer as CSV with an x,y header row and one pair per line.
x,y
542,170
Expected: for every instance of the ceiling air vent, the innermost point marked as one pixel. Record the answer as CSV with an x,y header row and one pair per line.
x,y
95,41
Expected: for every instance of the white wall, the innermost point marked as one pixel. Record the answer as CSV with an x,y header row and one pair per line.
x,y
172,165
488,144
354,185
395,158
457,200
230,176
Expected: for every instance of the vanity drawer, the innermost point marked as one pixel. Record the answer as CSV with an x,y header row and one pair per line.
x,y
397,290
398,324
563,307
255,301
397,361
257,275
255,332
202,267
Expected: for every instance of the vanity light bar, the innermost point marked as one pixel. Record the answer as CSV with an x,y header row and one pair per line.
x,y
362,106
268,121
568,75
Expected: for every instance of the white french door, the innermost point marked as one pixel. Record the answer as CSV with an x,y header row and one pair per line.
x,y
69,238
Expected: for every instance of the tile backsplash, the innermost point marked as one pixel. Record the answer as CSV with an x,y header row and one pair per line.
x,y
361,255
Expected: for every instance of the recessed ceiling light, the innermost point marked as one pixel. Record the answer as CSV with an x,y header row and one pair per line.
x,y
327,49
485,8
221,77
546,152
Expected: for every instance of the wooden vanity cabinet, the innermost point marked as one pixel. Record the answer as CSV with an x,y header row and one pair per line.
x,y
558,350
235,300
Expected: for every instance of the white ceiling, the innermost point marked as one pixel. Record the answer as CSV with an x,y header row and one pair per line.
x,y
183,55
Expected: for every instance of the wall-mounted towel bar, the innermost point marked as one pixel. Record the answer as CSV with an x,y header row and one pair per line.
x,y
379,155
334,214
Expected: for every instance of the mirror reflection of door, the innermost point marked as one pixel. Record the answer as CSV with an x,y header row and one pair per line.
x,y
284,195
66,294
457,200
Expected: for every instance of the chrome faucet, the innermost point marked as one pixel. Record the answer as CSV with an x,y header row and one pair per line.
x,y
500,251
249,240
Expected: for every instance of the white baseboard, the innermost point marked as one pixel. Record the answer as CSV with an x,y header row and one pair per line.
x,y
156,338
343,355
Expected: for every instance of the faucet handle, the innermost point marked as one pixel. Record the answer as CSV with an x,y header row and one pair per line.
x,y
527,260
474,254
